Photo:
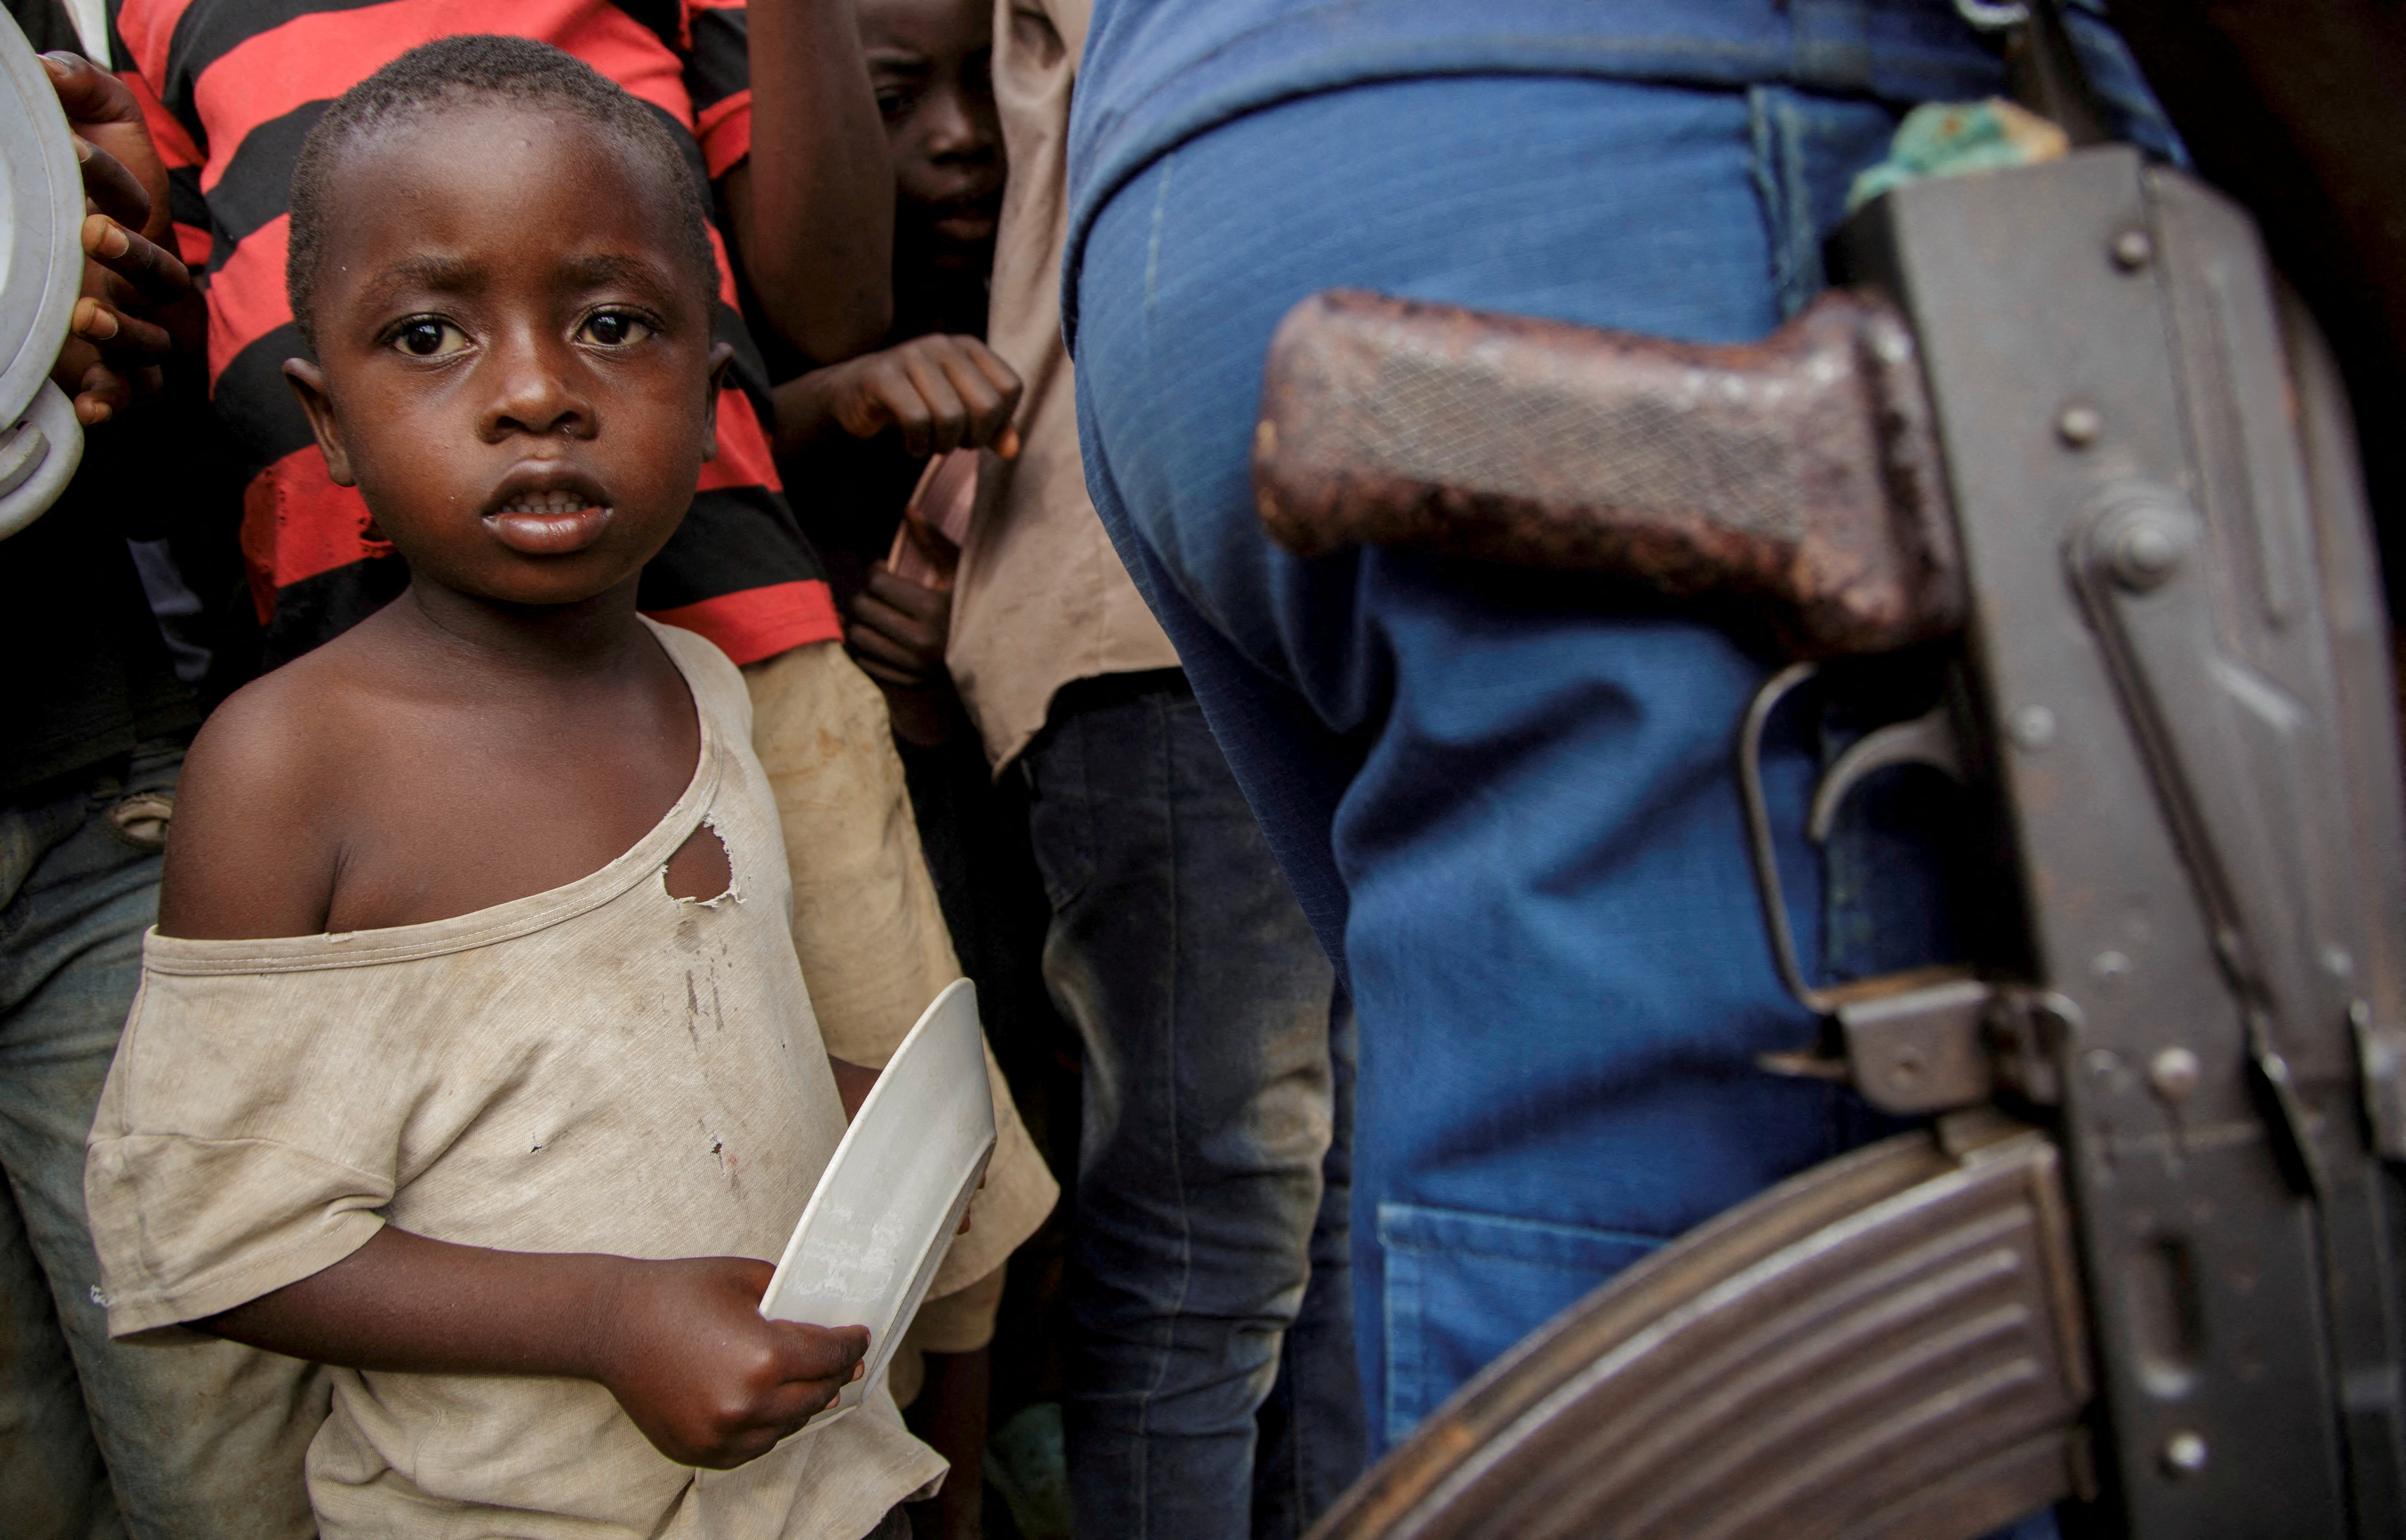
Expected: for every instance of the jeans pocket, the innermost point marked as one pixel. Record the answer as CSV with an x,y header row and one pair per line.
x,y
1461,1288
1060,813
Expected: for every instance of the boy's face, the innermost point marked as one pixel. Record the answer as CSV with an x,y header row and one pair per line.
x,y
514,360
931,63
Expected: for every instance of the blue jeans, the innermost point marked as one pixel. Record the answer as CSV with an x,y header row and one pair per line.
x,y
195,1440
1506,796
1209,1250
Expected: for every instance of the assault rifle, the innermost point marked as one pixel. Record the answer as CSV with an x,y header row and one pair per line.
x,y
2061,428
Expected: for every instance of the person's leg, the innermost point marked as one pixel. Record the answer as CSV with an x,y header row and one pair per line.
x,y
204,1440
1204,1004
53,1484
1309,1434
951,1341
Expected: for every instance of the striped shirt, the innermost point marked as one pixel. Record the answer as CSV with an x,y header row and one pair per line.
x,y
231,88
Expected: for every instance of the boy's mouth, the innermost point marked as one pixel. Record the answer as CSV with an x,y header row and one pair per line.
x,y
968,219
560,522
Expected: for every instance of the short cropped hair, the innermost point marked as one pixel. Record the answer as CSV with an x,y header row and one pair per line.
x,y
453,72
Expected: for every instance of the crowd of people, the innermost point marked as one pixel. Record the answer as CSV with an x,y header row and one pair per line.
x,y
511,638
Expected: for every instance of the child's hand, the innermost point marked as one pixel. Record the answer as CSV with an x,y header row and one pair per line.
x,y
943,392
899,630
114,353
139,308
685,1352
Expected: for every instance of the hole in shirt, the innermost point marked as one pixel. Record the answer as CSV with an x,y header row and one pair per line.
x,y
700,868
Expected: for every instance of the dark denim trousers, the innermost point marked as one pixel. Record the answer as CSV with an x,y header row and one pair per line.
x,y
1213,1392
199,1440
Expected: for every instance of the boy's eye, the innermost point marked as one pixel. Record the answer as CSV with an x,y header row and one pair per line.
x,y
428,338
614,329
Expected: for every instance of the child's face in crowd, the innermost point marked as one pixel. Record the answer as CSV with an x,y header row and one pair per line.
x,y
931,62
513,357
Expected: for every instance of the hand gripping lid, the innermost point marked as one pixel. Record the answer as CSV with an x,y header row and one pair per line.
x,y
41,269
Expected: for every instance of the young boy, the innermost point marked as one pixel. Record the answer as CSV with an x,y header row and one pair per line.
x,y
472,1057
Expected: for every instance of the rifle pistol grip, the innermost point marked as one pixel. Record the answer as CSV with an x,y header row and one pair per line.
x,y
1802,471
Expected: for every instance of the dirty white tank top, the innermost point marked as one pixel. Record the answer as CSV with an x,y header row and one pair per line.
x,y
601,1067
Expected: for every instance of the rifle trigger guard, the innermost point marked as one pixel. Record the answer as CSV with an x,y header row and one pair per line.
x,y
1759,711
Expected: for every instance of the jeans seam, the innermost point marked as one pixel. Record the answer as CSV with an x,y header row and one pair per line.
x,y
1165,768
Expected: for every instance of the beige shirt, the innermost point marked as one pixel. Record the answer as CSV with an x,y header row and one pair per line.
x,y
601,1067
867,925
1042,599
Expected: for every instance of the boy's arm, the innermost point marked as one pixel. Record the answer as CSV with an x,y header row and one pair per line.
x,y
943,392
813,206
679,1344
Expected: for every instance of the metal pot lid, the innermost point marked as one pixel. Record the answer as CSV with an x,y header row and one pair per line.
x,y
41,271
43,191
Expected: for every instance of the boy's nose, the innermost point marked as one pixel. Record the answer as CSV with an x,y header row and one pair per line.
x,y
956,130
533,391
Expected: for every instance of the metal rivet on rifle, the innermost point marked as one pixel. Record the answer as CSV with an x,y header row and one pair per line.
x,y
1905,1067
2174,1073
2337,962
2147,551
2184,1453
2133,250
2031,727
2079,425
2109,965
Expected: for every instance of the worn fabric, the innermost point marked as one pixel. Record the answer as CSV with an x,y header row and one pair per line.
x,y
1211,1239
1040,598
200,1441
1507,796
867,928
601,1068
231,88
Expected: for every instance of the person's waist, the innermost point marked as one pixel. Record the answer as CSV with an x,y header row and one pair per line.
x,y
1096,691
1157,72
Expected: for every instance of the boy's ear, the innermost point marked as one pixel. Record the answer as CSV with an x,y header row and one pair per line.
x,y
309,382
721,355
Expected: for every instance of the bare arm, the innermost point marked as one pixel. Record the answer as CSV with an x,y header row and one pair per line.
x,y
814,206
943,392
681,1344
252,850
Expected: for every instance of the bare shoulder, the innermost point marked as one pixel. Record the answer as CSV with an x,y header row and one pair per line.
x,y
252,850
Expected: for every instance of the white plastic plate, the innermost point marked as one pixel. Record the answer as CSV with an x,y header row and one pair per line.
x,y
888,1202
